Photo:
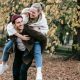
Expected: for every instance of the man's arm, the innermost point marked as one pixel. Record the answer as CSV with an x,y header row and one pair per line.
x,y
38,36
34,34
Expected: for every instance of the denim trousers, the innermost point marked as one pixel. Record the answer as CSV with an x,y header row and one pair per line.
x,y
6,49
20,69
37,54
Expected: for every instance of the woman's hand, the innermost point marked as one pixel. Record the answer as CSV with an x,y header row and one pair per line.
x,y
36,29
26,37
23,37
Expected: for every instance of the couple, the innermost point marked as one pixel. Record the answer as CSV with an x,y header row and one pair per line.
x,y
36,27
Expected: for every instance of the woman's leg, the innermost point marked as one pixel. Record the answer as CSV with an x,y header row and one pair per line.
x,y
5,56
6,49
38,60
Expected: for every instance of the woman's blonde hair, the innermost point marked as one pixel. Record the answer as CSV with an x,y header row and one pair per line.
x,y
39,6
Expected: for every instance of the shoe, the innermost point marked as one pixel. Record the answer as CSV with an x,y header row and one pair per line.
x,y
39,76
3,68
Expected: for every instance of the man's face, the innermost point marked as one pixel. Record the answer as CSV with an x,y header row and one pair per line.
x,y
34,13
19,24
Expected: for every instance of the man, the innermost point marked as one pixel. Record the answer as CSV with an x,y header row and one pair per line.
x,y
11,31
19,67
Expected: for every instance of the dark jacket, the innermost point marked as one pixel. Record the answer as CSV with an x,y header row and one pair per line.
x,y
35,36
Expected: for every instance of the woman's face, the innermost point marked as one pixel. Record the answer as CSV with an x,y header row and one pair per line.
x,y
34,13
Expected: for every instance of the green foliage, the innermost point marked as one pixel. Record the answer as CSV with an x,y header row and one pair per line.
x,y
2,41
66,8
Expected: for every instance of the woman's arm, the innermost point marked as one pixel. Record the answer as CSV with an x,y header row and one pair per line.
x,y
12,31
23,37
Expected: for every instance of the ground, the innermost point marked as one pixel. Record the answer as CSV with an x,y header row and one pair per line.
x,y
53,69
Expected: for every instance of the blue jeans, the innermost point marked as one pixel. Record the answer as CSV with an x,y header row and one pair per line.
x,y
37,54
5,55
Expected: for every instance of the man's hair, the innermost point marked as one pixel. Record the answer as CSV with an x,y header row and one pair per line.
x,y
14,17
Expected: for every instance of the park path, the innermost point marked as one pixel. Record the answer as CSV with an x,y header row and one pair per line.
x,y
53,69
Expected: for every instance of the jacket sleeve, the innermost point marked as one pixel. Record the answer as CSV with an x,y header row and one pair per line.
x,y
38,36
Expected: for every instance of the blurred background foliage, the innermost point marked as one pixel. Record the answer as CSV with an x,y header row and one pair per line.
x,y
63,18
54,9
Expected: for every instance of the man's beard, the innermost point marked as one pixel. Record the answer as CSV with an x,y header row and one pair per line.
x,y
25,19
20,28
